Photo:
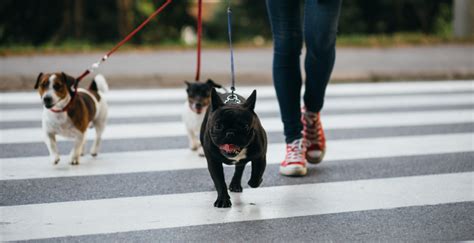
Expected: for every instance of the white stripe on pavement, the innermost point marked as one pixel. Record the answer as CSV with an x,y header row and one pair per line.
x,y
152,95
179,159
345,121
126,111
400,87
266,91
104,216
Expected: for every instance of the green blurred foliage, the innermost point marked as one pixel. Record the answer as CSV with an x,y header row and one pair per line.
x,y
50,22
249,19
442,23
168,24
358,17
391,16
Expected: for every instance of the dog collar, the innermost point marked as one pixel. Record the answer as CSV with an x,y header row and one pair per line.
x,y
66,107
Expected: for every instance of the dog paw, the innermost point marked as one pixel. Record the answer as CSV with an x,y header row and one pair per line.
x,y
56,161
94,151
201,152
194,146
235,187
255,183
75,162
222,203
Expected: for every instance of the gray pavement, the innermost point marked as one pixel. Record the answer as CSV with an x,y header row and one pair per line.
x,y
49,190
428,223
437,220
166,68
143,144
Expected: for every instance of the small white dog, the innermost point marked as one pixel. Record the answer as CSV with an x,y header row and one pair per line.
x,y
68,115
199,97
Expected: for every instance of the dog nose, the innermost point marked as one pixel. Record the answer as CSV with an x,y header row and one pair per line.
x,y
229,134
47,99
198,106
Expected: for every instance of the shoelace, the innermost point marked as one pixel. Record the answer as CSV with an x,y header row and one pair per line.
x,y
294,151
313,130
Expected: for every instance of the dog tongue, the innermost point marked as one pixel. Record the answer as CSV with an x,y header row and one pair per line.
x,y
228,147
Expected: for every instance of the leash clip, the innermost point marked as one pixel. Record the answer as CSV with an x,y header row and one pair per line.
x,y
233,99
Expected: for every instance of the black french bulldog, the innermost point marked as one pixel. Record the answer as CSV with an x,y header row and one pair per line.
x,y
231,133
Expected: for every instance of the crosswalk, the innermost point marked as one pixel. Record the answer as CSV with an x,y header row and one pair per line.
x,y
395,151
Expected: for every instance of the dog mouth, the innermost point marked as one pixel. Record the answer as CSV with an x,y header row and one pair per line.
x,y
230,150
198,110
48,106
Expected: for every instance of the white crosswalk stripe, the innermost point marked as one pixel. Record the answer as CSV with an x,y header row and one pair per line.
x,y
125,111
169,129
166,211
25,218
111,163
265,91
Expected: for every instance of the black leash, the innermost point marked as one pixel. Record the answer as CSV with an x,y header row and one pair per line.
x,y
232,97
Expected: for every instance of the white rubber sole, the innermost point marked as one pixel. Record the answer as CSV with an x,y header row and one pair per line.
x,y
315,159
293,170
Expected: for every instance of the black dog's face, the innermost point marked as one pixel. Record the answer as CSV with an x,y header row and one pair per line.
x,y
199,94
232,125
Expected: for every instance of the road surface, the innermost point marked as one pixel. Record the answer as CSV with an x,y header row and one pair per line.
x,y
399,166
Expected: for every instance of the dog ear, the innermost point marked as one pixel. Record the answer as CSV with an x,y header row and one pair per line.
x,y
250,102
188,85
38,80
69,82
211,83
216,101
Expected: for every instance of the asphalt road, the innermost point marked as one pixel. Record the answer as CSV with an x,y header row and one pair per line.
x,y
399,167
168,68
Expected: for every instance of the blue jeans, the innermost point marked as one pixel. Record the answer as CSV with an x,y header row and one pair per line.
x,y
319,30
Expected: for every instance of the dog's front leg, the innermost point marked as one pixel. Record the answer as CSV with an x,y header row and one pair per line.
x,y
217,174
52,147
193,140
200,149
258,167
235,185
77,150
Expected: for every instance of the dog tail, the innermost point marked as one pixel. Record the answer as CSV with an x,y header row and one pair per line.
x,y
99,84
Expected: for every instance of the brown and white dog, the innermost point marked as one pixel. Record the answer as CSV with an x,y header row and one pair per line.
x,y
89,107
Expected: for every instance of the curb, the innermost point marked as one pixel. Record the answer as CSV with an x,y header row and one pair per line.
x,y
26,82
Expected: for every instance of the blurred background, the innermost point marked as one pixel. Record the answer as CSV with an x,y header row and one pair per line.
x,y
82,24
399,123
431,34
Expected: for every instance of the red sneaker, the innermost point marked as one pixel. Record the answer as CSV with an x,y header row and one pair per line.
x,y
294,163
313,135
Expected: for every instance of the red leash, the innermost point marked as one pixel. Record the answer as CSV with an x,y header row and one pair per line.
x,y
199,35
103,59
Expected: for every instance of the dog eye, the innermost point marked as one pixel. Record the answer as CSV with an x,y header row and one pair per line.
x,y
56,86
218,127
45,84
